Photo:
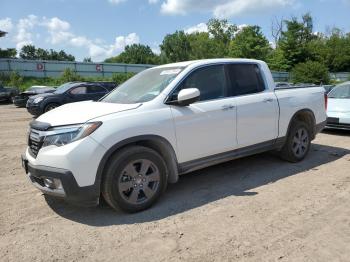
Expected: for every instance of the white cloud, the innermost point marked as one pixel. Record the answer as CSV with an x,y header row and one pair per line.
x,y
56,24
59,30
153,1
6,24
59,33
115,2
201,27
122,41
221,8
24,28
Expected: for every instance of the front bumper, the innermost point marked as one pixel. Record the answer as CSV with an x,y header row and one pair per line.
x,y
69,190
35,110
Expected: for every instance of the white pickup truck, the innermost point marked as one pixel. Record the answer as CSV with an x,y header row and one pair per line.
x,y
167,121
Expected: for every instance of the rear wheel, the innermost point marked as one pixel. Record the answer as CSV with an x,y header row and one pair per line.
x,y
298,142
50,106
135,178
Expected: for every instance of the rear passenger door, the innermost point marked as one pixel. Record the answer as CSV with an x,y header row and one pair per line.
x,y
257,107
95,92
207,127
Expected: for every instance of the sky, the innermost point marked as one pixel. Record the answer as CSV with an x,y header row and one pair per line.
x,y
102,28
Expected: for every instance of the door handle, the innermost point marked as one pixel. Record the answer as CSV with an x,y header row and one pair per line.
x,y
228,107
268,100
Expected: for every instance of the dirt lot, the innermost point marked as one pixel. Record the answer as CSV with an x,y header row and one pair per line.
x,y
255,209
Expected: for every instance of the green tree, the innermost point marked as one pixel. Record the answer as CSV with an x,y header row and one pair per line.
x,y
42,54
8,53
135,54
250,43
310,72
277,61
28,52
32,53
223,33
337,53
87,60
176,47
294,40
202,46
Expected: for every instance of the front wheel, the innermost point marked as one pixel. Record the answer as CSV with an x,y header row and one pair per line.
x,y
135,178
298,143
50,106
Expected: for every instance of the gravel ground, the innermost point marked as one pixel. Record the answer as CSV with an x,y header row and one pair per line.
x,y
254,209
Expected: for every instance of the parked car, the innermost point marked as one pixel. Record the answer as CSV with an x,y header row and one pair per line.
x,y
338,109
166,121
328,88
21,99
7,93
68,93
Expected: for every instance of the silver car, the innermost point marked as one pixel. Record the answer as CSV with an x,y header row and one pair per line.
x,y
338,110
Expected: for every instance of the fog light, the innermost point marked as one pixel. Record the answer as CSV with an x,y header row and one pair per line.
x,y
52,183
48,182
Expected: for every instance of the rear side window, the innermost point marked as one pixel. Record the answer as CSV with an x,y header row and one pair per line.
x,y
95,89
244,79
210,81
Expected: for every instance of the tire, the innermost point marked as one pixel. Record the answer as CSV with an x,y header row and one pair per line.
x,y
298,142
135,178
50,106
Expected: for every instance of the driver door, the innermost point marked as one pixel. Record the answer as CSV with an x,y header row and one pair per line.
x,y
207,127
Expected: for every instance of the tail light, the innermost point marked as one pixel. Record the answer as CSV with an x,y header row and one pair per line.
x,y
325,101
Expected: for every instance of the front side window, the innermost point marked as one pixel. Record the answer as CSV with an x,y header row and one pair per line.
x,y
80,90
245,79
144,86
210,81
340,91
63,88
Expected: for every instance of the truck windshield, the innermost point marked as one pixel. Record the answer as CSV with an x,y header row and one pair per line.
x,y
341,91
144,86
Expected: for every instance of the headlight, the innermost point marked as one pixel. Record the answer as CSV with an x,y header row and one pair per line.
x,y
38,99
60,136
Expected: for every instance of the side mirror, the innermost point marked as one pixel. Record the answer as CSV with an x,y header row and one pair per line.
x,y
188,96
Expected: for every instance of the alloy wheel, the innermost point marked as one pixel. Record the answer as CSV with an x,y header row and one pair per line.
x,y
300,142
139,181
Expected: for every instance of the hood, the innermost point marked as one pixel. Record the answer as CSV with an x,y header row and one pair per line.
x,y
43,95
338,105
81,112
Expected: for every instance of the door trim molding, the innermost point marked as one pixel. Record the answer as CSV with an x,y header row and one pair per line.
x,y
200,163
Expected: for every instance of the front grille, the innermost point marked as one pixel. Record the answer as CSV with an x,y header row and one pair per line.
x,y
35,142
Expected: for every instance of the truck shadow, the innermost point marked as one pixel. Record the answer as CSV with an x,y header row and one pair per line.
x,y
234,178
336,132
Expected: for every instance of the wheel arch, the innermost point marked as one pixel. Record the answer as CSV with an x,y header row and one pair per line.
x,y
307,116
155,142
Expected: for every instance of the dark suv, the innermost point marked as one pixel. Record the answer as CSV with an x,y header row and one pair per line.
x,y
68,93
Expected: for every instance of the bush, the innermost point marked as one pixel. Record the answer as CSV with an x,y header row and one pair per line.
x,y
15,80
69,75
120,78
310,72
